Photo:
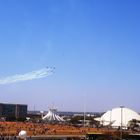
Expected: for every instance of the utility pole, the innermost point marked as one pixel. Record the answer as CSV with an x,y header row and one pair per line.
x,y
84,110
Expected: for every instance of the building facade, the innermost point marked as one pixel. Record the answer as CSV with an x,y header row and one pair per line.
x,y
13,111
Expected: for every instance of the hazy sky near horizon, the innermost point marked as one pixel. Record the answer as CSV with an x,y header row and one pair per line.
x,y
93,44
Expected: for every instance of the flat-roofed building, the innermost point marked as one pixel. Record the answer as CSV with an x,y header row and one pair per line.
x,y
13,111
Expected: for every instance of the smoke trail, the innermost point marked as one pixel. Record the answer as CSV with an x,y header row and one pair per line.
x,y
27,76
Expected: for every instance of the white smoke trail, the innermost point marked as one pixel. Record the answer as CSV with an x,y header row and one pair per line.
x,y
27,76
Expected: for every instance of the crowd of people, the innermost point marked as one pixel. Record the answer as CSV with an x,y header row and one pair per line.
x,y
36,129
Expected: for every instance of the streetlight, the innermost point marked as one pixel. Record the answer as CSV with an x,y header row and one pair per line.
x,y
110,118
121,107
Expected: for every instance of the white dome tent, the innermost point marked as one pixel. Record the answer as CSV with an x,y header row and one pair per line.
x,y
118,117
52,116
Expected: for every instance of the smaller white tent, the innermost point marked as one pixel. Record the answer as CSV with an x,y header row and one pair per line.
x,y
22,134
52,116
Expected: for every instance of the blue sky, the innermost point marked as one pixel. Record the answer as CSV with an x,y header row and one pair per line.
x,y
93,44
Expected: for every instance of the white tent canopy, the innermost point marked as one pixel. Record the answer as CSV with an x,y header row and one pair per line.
x,y
52,116
118,117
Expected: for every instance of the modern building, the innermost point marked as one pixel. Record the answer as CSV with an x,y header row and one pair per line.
x,y
52,116
13,111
